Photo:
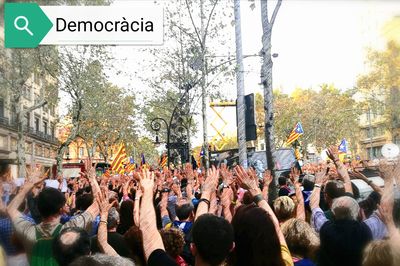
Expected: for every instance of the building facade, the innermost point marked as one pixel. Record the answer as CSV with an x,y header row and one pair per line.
x,y
40,129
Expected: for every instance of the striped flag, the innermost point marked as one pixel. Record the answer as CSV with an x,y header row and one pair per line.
x,y
343,146
163,160
295,134
118,164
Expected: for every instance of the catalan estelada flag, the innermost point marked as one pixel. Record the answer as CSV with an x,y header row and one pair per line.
x,y
295,134
343,146
143,162
163,160
118,164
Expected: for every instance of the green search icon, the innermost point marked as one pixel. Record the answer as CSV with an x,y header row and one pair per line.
x,y
24,25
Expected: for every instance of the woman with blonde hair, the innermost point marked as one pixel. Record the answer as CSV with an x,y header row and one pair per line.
x,y
378,252
302,240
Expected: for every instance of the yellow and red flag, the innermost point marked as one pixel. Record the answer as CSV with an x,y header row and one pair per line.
x,y
163,160
118,164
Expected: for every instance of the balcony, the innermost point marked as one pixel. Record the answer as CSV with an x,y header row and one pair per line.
x,y
4,121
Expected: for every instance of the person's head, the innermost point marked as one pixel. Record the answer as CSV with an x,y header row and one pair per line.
x,y
5,170
370,204
83,201
345,208
284,208
333,189
126,214
184,209
174,240
134,240
378,252
301,239
70,244
99,259
112,219
308,182
50,202
212,239
256,241
282,181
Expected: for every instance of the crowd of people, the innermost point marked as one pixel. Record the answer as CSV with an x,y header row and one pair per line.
x,y
188,216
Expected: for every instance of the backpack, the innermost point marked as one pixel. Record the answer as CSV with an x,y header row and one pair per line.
x,y
42,252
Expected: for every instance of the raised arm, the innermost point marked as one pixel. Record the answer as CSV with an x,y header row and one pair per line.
x,y
209,187
104,206
357,174
318,217
294,177
250,183
333,154
151,237
35,179
136,207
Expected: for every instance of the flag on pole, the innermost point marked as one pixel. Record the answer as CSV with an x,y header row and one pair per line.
x,y
295,134
143,162
343,146
118,164
163,160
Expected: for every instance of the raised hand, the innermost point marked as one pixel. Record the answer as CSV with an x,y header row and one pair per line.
x,y
267,177
246,181
333,153
211,182
35,177
294,175
146,180
321,177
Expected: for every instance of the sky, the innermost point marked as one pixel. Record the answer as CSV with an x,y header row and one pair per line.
x,y
316,42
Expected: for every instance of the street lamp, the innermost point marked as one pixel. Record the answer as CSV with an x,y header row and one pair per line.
x,y
176,128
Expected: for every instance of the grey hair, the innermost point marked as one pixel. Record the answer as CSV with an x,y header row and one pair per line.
x,y
102,260
113,218
345,207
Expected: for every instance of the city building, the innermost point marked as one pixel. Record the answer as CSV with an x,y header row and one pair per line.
x,y
40,129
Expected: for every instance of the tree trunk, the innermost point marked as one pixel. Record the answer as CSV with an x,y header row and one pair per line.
x,y
204,90
266,81
241,128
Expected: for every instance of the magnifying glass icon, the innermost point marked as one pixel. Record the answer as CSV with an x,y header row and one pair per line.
x,y
24,26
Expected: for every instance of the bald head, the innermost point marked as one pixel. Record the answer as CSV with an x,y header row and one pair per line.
x,y
70,244
345,208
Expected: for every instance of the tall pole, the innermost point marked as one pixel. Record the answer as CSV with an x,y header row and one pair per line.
x,y
203,88
266,81
241,129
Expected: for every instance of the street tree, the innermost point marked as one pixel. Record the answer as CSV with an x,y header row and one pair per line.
x,y
381,86
82,75
107,119
188,60
266,81
327,116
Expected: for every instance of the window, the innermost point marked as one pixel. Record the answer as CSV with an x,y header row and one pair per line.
x,y
1,107
376,152
26,92
28,119
37,125
81,152
45,127
37,98
53,130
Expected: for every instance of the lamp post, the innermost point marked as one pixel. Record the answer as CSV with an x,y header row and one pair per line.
x,y
156,126
176,128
